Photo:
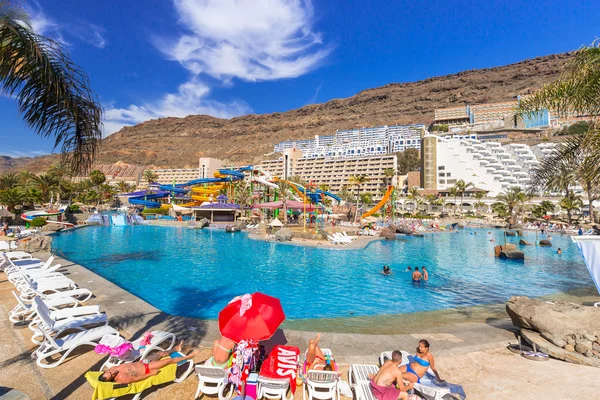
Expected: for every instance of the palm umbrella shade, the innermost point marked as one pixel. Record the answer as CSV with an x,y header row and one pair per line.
x,y
251,317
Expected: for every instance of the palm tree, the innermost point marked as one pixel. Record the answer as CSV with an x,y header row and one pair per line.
x,y
514,197
344,194
243,196
105,192
12,198
414,195
9,180
358,181
25,178
454,192
122,186
52,93
97,178
571,203
366,199
284,188
323,187
500,209
462,187
150,176
47,185
479,196
547,206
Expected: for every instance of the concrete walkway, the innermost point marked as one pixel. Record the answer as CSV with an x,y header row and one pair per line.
x,y
468,353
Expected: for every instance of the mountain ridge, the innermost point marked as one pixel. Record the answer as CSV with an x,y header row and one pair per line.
x,y
179,142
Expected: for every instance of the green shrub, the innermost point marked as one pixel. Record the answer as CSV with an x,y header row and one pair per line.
x,y
74,208
38,222
161,211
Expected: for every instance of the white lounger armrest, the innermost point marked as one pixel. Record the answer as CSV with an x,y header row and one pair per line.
x,y
73,312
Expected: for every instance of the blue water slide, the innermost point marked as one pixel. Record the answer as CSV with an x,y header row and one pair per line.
x,y
235,174
172,188
144,200
333,196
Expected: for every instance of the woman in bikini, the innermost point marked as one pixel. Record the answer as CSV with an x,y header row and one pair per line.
x,y
315,359
422,361
221,350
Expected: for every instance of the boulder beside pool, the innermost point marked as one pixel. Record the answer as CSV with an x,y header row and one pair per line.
x,y
524,242
387,233
512,254
506,247
510,233
545,243
283,235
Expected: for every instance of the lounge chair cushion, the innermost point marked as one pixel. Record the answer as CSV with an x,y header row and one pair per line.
x,y
106,390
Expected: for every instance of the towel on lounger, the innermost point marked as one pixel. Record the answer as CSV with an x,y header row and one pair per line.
x,y
106,390
384,392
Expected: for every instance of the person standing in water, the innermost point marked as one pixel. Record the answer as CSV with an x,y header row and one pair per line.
x,y
425,274
416,276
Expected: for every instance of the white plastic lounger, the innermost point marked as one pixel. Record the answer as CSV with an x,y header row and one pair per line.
x,y
24,311
322,385
273,388
358,378
67,344
213,380
429,388
45,286
57,322
35,274
157,343
81,294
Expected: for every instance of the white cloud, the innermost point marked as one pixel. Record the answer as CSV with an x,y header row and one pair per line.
x,y
191,98
79,29
251,40
16,153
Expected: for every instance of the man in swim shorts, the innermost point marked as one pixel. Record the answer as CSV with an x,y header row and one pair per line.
x,y
416,276
140,370
383,385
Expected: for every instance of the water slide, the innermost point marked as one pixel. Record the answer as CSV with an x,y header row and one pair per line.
x,y
222,176
385,198
30,215
118,219
265,182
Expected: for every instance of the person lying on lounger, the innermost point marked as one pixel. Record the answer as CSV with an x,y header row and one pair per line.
x,y
315,360
140,370
422,361
388,383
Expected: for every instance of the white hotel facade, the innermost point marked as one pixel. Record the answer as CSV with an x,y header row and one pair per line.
x,y
375,141
488,165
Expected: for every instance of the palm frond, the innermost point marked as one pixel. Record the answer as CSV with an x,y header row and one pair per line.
x,y
53,93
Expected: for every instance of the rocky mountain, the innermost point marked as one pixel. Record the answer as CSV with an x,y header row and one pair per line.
x,y
178,142
13,163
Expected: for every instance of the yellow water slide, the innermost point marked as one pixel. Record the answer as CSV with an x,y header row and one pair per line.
x,y
385,198
201,194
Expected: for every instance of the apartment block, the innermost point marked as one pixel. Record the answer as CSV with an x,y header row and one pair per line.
x,y
334,172
379,140
208,166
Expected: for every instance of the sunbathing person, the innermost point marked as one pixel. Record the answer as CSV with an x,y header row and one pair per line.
x,y
383,385
140,370
221,350
315,359
423,360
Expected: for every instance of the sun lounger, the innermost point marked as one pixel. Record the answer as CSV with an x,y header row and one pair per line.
x,y
358,378
273,388
157,343
213,380
110,390
322,385
67,344
429,388
23,311
56,322
30,289
29,293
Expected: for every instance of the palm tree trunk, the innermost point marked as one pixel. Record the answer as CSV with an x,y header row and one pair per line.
x,y
591,207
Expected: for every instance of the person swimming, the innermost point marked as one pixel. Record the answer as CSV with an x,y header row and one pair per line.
x,y
387,270
416,276
559,251
408,268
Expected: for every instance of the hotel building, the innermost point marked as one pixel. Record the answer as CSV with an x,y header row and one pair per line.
x,y
361,142
332,171
488,165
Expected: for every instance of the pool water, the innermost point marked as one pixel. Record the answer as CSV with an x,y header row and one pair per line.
x,y
194,273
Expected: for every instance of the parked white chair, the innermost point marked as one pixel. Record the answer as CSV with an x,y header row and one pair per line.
x,y
54,323
68,343
213,380
157,343
358,378
272,388
322,385
30,292
23,311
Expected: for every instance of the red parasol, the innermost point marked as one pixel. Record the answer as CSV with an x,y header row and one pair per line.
x,y
251,317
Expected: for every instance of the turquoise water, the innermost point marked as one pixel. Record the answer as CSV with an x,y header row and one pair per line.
x,y
195,273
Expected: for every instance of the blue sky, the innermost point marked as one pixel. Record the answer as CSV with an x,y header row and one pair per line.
x,y
155,58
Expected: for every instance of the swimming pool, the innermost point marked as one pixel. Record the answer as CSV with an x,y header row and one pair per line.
x,y
194,273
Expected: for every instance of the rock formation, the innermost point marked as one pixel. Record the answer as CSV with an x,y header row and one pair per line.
x,y
566,331
524,242
510,233
283,235
545,243
35,243
387,233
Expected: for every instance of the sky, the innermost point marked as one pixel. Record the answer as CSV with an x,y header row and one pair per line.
x,y
149,59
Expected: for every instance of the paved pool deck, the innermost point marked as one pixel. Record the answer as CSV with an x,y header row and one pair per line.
x,y
468,345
